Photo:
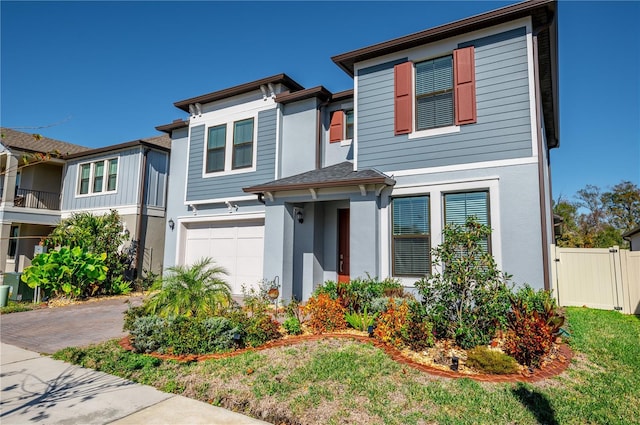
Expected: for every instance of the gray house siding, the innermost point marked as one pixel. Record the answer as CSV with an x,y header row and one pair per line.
x,y
156,178
175,193
199,188
502,131
127,184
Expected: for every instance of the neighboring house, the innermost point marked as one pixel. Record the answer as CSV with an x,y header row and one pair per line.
x,y
30,187
272,180
633,236
130,178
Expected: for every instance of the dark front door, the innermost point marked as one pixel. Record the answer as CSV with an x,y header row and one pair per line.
x,y
343,245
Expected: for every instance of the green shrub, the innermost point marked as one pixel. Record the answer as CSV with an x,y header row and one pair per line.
x,y
358,294
361,321
184,335
260,329
149,333
96,234
131,315
379,304
417,333
485,360
292,325
72,272
196,290
469,299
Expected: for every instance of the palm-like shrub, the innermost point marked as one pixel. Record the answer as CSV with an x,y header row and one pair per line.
x,y
192,291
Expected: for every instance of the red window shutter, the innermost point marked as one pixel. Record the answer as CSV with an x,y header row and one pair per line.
x,y
336,128
403,105
464,80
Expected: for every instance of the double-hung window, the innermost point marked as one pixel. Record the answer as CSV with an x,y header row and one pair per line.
x,y
434,93
341,126
113,175
243,144
216,145
411,234
85,174
98,177
459,206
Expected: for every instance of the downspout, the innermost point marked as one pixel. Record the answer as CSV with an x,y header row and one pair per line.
x,y
543,201
143,193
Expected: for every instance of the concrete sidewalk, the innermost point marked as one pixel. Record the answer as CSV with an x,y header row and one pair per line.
x,y
39,390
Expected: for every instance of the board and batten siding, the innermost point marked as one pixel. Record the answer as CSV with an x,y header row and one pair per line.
x,y
201,189
156,178
127,185
502,131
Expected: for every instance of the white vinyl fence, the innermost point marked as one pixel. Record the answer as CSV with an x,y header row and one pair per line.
x,y
603,278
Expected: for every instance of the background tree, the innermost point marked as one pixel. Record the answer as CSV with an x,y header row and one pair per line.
x,y
598,219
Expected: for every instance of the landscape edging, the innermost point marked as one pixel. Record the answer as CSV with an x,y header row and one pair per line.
x,y
556,367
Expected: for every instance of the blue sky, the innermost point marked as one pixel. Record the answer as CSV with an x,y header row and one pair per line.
x,y
101,73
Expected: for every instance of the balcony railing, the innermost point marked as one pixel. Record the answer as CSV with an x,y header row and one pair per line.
x,y
39,199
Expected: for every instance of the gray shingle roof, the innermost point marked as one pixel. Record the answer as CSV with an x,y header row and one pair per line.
x,y
338,175
27,142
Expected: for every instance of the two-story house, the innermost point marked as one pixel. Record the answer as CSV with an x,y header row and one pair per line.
x,y
31,170
453,121
130,178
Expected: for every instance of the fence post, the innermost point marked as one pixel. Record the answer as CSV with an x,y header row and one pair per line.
x,y
617,278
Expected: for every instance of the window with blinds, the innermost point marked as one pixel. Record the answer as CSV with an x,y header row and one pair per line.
x,y
411,236
243,144
459,206
434,93
216,142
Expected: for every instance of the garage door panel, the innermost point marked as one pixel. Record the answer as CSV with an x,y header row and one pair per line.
x,y
238,247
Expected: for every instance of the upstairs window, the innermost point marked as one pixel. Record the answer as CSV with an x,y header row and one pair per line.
x,y
411,233
215,148
434,93
98,177
341,126
243,144
348,124
113,175
85,173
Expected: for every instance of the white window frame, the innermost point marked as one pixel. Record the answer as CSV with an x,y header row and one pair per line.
x,y
228,147
105,177
430,132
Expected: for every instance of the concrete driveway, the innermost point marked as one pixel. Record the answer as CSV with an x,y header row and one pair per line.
x,y
36,389
48,330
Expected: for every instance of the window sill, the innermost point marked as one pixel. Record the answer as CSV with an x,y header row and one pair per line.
x,y
346,142
229,172
85,195
434,132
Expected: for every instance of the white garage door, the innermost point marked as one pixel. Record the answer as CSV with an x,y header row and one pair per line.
x,y
236,246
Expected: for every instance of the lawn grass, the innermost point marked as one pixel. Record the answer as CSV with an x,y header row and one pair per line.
x,y
345,382
17,307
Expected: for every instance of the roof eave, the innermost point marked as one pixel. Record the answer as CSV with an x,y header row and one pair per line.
x,y
239,89
319,185
347,60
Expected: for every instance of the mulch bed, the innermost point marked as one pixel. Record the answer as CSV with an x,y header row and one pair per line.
x,y
551,369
